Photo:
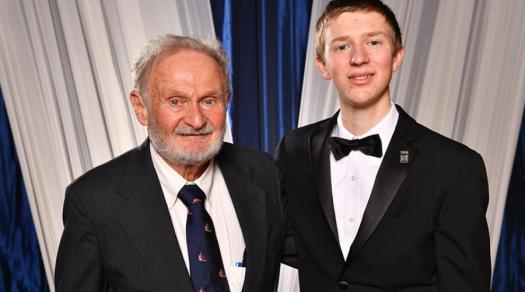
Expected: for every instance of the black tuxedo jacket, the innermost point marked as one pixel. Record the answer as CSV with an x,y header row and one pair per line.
x,y
424,228
118,235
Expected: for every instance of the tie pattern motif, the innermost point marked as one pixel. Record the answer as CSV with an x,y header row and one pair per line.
x,y
207,270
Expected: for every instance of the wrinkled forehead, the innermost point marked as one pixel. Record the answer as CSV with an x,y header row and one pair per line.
x,y
184,60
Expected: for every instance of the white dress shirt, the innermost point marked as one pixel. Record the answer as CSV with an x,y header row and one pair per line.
x,y
220,207
353,177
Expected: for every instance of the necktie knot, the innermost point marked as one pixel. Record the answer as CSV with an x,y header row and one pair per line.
x,y
370,145
191,195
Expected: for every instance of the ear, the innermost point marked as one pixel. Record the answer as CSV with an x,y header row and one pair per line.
x,y
322,67
398,59
140,108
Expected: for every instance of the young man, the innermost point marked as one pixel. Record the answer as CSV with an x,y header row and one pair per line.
x,y
377,201
183,211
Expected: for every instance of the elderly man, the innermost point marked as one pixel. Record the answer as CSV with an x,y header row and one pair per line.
x,y
183,211
378,202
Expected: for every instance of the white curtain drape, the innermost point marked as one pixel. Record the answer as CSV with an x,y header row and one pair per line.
x,y
463,76
66,66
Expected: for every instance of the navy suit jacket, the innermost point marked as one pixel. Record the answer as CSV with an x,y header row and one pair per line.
x,y
118,234
423,229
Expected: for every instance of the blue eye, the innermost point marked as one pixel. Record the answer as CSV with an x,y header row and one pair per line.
x,y
374,43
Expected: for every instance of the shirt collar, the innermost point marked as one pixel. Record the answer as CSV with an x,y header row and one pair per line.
x,y
385,128
172,182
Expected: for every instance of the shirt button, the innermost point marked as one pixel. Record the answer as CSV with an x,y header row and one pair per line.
x,y
351,219
353,178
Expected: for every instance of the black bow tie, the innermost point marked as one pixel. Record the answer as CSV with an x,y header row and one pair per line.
x,y
370,145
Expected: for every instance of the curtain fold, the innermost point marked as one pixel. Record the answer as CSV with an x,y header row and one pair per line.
x,y
21,266
266,41
509,270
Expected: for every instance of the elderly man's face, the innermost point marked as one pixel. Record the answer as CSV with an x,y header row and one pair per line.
x,y
187,110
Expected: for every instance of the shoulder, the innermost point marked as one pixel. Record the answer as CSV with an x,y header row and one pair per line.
x,y
111,173
237,161
431,143
244,157
308,130
444,153
444,146
299,138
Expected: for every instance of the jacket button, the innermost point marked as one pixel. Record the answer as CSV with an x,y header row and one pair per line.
x,y
343,284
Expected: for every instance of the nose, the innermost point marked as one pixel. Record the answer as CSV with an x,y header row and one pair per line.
x,y
194,116
359,56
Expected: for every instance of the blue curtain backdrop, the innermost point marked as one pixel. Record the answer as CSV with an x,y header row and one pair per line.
x,y
266,41
21,266
509,271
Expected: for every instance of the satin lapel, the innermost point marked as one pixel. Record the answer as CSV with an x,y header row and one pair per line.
x,y
390,176
320,155
146,219
249,202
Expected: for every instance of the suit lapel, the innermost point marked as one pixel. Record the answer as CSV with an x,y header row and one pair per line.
x,y
320,155
390,176
249,202
146,219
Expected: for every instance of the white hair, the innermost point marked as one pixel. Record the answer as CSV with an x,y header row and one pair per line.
x,y
170,44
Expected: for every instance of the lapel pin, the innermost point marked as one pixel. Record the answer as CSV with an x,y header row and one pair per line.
x,y
403,156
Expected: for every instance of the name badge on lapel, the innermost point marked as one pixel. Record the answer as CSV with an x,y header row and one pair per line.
x,y
403,157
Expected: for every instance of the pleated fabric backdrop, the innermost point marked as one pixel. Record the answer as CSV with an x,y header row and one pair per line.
x,y
21,266
266,41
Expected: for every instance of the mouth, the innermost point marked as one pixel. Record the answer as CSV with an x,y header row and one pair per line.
x,y
360,77
185,130
193,134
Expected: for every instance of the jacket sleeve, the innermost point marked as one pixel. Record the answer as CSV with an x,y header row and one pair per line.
x,y
78,265
462,238
289,254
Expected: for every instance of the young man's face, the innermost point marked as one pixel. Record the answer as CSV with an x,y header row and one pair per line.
x,y
360,58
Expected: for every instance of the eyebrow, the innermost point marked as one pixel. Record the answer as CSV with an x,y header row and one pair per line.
x,y
375,33
368,34
177,93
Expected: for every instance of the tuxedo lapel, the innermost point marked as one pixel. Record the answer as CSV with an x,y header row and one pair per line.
x,y
320,155
249,202
400,154
146,219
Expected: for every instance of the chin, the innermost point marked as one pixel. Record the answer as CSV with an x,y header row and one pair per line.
x,y
363,101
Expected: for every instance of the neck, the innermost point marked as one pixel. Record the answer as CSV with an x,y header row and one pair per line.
x,y
360,120
189,172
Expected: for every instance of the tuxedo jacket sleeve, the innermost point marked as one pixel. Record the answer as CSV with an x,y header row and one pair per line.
x,y
118,234
423,229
